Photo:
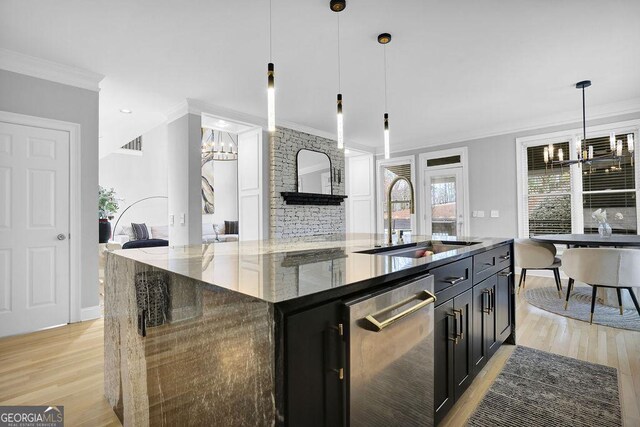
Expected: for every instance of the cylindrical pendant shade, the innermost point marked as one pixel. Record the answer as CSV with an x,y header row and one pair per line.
x,y
340,123
271,98
387,150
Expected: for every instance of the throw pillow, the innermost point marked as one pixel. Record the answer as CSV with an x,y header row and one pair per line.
x,y
231,227
140,231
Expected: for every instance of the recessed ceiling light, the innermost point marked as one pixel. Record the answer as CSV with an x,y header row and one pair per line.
x,y
125,111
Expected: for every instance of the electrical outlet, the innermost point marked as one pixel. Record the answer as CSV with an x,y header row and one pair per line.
x,y
183,218
474,214
495,214
480,214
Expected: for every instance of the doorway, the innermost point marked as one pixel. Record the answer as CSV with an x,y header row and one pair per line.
x,y
444,203
36,196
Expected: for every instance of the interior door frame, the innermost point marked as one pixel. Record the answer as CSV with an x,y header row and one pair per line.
x,y
455,171
75,220
380,193
422,170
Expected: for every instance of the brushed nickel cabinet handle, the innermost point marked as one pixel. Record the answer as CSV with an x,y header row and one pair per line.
x,y
426,297
453,280
506,274
505,257
461,333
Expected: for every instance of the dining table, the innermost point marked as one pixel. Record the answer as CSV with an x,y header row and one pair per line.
x,y
629,241
590,240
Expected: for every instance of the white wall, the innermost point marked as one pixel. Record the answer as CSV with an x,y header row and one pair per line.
x,y
225,186
184,178
41,98
135,177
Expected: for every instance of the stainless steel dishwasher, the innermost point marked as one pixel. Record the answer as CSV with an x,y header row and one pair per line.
x,y
390,355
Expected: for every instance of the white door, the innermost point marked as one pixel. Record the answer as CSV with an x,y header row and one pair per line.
x,y
360,191
34,228
444,213
250,185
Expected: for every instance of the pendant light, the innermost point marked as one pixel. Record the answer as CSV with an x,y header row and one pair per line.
x,y
384,40
585,154
271,87
338,6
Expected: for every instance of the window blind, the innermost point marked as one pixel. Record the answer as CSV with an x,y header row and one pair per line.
x,y
549,193
609,186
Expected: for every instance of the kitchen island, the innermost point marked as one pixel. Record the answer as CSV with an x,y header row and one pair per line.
x,y
254,333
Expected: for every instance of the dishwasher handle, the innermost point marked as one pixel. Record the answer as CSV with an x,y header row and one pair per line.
x,y
426,297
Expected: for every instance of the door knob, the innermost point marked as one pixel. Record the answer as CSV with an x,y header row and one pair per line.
x,y
61,236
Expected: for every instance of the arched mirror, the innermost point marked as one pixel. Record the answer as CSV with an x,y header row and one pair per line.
x,y
314,172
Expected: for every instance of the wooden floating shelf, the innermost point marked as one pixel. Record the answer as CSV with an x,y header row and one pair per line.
x,y
294,198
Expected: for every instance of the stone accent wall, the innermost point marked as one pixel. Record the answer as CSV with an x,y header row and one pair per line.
x,y
291,221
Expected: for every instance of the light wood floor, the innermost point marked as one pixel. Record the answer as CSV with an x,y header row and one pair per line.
x,y
63,366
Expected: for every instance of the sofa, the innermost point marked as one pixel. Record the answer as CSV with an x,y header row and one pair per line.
x,y
211,233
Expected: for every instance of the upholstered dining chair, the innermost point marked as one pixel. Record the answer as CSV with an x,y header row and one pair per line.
x,y
532,255
603,268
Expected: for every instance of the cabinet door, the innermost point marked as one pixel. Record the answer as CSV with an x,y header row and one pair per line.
x,y
483,332
314,386
491,331
463,357
503,304
443,359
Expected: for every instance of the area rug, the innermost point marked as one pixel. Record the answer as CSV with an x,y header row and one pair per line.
x,y
580,307
536,388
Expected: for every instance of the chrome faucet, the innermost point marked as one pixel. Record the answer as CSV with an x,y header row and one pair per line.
x,y
411,204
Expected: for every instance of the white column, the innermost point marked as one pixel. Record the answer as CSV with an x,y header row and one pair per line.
x,y
184,175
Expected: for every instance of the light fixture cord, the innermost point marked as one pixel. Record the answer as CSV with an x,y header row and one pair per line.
x,y
384,50
339,65
270,43
584,119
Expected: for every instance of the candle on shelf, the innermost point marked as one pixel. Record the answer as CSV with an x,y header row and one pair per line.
x,y
590,152
630,144
619,148
546,154
560,155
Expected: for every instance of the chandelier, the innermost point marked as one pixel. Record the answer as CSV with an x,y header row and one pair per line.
x,y
584,153
219,150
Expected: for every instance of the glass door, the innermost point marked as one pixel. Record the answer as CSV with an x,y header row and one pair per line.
x,y
444,215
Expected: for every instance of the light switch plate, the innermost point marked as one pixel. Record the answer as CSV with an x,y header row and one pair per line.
x,y
171,219
474,214
495,214
480,214
182,218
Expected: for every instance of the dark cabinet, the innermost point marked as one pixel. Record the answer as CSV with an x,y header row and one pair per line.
x,y
444,332
453,357
315,367
484,340
503,304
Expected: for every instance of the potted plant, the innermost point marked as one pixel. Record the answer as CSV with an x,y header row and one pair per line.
x,y
107,206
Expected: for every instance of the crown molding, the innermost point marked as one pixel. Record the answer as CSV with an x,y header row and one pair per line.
x,y
605,111
48,70
195,106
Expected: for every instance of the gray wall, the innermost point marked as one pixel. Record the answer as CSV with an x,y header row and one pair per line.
x,y
493,175
289,221
41,98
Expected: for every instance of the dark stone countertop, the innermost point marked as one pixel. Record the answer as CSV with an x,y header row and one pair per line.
x,y
311,269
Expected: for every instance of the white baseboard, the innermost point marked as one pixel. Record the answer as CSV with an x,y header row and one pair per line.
x,y
90,313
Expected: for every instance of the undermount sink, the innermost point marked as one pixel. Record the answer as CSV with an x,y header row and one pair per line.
x,y
418,249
